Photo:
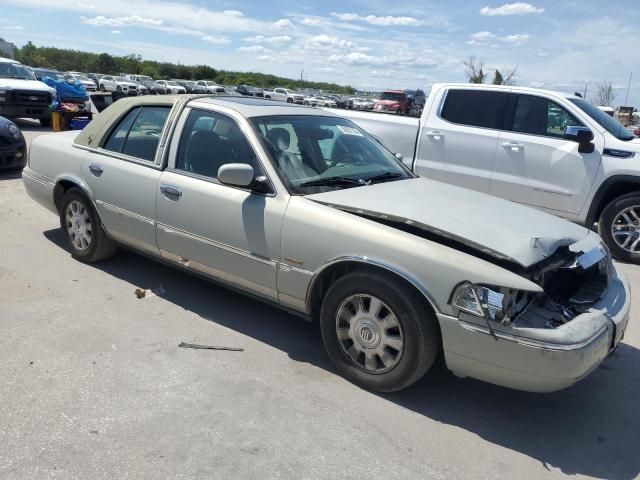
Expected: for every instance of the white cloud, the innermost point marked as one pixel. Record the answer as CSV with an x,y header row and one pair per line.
x,y
265,57
215,40
375,20
311,22
13,28
282,24
253,49
116,32
331,41
485,38
272,40
102,21
233,13
518,8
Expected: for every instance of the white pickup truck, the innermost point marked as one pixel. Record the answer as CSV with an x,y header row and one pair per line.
x,y
549,150
284,95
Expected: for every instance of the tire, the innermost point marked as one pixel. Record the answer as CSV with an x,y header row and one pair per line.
x,y
289,100
417,329
119,89
77,215
45,122
615,212
102,89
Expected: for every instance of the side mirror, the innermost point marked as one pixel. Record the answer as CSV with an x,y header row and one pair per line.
x,y
581,135
236,174
578,134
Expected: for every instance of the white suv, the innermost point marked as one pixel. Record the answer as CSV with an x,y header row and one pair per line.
x,y
171,86
110,83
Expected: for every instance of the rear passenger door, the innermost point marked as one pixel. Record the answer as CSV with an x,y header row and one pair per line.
x,y
535,165
458,140
123,174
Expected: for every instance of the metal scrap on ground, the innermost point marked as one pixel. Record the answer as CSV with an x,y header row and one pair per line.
x,y
209,347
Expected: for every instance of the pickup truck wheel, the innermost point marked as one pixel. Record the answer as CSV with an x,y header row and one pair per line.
x,y
378,332
619,227
83,230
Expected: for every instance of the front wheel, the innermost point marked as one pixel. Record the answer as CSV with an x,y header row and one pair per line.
x,y
378,331
83,230
619,227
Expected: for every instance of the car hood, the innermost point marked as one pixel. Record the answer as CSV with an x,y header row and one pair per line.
x,y
489,225
24,84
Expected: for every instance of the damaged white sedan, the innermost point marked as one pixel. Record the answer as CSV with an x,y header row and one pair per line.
x,y
305,210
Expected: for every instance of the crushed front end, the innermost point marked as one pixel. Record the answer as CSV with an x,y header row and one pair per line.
x,y
544,340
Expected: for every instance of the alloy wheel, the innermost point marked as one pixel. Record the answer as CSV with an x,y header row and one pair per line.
x,y
625,229
78,225
369,333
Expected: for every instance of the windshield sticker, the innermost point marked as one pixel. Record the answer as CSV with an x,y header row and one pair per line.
x,y
349,130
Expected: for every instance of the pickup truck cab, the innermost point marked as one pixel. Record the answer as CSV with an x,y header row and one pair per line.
x,y
21,95
550,150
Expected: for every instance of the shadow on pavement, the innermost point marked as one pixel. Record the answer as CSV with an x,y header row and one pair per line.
x,y
592,428
10,174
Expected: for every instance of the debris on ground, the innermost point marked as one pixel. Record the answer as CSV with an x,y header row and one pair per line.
x,y
209,347
150,292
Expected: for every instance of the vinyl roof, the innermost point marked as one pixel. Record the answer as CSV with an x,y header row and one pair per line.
x,y
257,107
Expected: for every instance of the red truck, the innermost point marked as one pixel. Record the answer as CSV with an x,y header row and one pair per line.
x,y
400,101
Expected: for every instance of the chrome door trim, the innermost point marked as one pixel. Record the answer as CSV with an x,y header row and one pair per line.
x,y
221,276
207,241
126,213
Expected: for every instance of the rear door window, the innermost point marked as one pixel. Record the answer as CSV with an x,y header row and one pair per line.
x,y
475,108
138,134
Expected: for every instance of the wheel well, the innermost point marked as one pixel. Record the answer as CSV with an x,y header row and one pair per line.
x,y
60,189
609,193
331,274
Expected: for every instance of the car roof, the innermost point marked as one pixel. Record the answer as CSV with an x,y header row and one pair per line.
x,y
8,60
257,107
515,88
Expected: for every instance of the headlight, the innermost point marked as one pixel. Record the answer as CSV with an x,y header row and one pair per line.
x,y
479,301
14,131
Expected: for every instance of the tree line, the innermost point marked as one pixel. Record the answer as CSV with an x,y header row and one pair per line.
x,y
77,60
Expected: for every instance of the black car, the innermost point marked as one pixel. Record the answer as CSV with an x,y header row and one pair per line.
x,y
40,73
250,91
191,86
13,148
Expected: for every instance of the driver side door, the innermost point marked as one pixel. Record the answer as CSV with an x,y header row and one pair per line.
x,y
228,233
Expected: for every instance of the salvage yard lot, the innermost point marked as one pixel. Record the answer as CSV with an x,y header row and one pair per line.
x,y
93,385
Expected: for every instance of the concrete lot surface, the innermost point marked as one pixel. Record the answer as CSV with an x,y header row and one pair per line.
x,y
93,386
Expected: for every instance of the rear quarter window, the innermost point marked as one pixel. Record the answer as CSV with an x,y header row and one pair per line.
x,y
475,108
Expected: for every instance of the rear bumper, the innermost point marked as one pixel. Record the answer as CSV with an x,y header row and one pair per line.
x,y
39,188
523,363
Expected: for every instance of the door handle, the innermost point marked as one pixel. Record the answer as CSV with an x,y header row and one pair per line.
x,y
435,135
514,147
170,190
96,169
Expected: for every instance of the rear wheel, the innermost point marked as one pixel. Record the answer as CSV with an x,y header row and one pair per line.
x,y
378,331
82,228
619,227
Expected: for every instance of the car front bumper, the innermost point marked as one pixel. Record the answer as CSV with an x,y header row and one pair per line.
x,y
518,360
13,155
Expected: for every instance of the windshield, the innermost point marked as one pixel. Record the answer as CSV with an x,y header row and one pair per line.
x,y
396,97
173,84
144,79
121,79
318,154
610,124
14,70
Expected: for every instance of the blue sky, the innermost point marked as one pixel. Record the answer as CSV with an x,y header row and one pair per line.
x,y
555,44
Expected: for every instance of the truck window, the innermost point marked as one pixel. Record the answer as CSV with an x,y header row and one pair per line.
x,y
476,108
139,132
540,116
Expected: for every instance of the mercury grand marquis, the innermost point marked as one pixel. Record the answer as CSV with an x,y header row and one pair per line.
x,y
306,210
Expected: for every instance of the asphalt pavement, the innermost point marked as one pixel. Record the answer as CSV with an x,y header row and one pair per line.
x,y
94,386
